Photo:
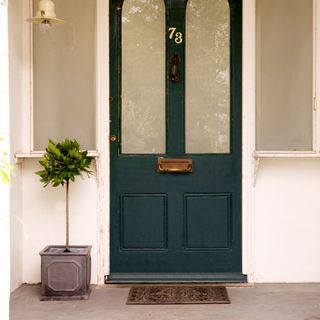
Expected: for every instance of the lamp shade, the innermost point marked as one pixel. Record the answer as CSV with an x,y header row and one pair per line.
x,y
46,14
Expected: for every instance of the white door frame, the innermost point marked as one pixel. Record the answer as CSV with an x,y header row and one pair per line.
x,y
248,139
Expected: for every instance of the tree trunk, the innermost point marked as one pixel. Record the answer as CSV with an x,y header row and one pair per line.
x,y
67,217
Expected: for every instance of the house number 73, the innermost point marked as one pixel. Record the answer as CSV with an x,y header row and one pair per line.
x,y
176,35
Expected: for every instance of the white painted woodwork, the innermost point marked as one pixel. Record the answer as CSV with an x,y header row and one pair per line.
x,y
5,146
248,135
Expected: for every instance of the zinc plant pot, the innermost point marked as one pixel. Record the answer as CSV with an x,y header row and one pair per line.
x,y
65,275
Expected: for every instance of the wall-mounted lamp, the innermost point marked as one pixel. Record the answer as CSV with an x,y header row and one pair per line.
x,y
46,16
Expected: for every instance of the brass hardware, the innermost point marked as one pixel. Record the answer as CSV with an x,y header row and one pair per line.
x,y
174,165
174,68
113,138
178,35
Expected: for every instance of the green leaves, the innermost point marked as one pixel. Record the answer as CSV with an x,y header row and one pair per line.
x,y
5,166
62,162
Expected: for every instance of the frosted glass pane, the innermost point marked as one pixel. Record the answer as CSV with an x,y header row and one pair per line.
x,y
64,76
208,76
284,75
143,76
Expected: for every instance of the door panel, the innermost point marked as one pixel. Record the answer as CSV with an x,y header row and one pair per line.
x,y
144,222
177,222
207,221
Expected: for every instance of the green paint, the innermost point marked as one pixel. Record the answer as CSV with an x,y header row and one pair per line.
x,y
176,223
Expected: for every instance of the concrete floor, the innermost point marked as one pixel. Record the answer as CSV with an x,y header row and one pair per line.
x,y
261,302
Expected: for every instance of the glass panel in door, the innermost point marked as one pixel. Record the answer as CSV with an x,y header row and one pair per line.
x,y
208,76
143,77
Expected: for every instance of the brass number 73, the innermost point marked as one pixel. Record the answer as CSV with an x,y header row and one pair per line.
x,y
178,39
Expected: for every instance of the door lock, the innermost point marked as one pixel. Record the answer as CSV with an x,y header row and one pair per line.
x,y
113,138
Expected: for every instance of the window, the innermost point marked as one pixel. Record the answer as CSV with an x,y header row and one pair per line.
x,y
64,76
285,75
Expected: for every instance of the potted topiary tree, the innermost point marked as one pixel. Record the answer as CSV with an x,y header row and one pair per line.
x,y
65,270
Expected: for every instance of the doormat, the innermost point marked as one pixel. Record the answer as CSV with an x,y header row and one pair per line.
x,y
178,295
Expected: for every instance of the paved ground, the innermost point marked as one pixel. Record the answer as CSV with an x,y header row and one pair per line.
x,y
262,302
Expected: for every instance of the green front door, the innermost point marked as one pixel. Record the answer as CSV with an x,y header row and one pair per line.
x,y
175,140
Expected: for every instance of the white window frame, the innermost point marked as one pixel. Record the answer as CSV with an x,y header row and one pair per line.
x,y
259,155
315,152
28,150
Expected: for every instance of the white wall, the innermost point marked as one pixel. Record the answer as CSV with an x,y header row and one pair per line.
x,y
44,218
16,125
287,219
4,145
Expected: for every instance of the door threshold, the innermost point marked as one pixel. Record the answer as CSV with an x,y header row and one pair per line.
x,y
174,277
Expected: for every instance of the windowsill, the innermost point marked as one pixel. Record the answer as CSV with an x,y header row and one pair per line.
x,y
258,155
19,157
286,154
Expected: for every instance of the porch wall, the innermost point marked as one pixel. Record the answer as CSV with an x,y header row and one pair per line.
x,y
15,23
44,218
286,221
286,216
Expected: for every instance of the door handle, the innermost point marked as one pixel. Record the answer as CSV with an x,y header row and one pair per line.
x,y
174,68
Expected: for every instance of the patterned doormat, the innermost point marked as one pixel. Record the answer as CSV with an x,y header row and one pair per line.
x,y
178,295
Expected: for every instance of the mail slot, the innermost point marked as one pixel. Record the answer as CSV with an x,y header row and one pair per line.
x,y
174,165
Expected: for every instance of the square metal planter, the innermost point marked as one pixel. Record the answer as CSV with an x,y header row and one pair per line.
x,y
65,275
